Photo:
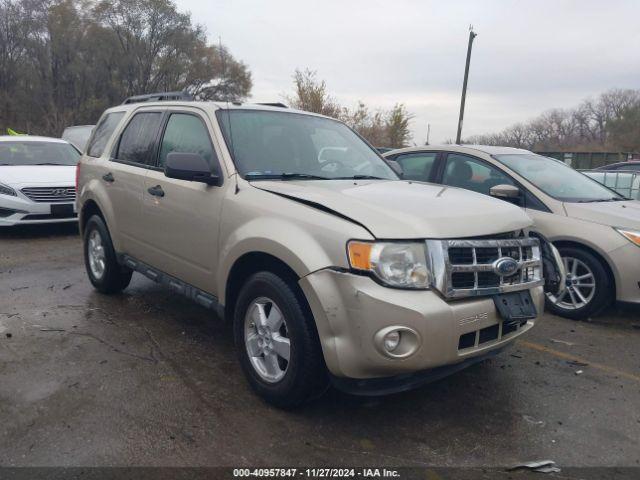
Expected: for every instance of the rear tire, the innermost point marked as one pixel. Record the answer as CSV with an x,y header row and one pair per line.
x,y
103,269
277,341
589,288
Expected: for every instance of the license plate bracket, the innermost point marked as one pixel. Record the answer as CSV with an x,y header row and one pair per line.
x,y
515,307
62,211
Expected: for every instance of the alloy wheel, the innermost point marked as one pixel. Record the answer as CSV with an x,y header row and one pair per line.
x,y
266,339
95,251
580,285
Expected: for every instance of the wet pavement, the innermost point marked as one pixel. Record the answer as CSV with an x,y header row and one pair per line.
x,y
149,378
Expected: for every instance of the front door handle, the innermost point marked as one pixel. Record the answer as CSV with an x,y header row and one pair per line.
x,y
108,177
156,191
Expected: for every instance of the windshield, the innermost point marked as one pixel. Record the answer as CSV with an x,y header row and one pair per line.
x,y
37,153
557,179
287,145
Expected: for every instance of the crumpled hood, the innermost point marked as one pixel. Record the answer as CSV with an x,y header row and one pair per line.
x,y
401,209
21,176
616,214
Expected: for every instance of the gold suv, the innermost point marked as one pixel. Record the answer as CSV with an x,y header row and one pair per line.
x,y
290,225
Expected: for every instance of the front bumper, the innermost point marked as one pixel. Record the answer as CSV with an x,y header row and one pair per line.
x,y
20,210
350,310
625,261
405,381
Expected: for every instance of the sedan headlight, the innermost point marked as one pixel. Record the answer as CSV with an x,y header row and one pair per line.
x,y
7,190
632,235
396,264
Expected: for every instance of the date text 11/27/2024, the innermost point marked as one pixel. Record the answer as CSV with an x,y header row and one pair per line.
x,y
316,472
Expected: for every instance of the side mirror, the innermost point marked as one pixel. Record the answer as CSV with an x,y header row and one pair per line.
x,y
190,166
395,166
505,191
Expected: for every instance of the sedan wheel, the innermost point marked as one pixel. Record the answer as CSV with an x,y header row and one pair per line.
x,y
589,287
580,286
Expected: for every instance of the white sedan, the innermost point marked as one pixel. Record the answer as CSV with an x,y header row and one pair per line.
x,y
37,180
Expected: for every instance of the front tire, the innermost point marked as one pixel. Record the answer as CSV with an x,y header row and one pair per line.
x,y
277,341
588,288
103,269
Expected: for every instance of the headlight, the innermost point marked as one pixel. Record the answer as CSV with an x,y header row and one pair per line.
x,y
401,264
6,190
632,235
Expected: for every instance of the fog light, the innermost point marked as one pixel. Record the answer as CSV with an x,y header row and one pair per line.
x,y
392,340
397,341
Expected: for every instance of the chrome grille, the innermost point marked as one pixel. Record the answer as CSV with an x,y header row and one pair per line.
x,y
51,194
464,268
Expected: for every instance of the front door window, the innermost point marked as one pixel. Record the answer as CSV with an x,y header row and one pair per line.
x,y
467,172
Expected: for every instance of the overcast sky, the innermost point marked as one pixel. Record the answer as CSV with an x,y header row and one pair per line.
x,y
529,56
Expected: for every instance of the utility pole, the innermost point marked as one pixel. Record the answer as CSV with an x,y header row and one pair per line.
x,y
428,132
472,35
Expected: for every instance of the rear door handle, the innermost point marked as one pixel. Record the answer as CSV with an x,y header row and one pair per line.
x,y
108,177
156,191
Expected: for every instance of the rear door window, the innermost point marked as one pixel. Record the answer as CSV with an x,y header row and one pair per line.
x,y
138,138
417,166
103,133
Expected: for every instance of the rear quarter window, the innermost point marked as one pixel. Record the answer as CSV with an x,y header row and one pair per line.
x,y
102,133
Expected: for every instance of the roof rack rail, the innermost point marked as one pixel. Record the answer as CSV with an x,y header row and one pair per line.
x,y
273,104
159,97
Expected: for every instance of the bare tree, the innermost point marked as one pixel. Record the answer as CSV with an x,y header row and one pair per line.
x,y
397,127
311,95
381,128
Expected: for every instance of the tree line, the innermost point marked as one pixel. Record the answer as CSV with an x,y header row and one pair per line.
x,y
610,122
382,128
62,62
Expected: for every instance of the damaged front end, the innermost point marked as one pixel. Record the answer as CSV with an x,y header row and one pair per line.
x,y
552,265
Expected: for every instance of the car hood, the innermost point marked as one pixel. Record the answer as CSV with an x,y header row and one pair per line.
x,y
616,214
402,209
61,175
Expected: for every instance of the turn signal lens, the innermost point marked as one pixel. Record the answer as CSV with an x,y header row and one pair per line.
x,y
360,255
631,235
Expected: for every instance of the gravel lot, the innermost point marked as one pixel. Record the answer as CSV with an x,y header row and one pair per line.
x,y
149,378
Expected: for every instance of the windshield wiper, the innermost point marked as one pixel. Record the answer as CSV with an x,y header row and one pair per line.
x,y
360,177
284,176
595,200
48,163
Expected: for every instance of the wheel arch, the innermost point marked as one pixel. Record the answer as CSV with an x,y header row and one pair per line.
x,y
89,208
248,264
601,258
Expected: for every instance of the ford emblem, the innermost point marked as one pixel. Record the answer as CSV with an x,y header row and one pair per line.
x,y
505,266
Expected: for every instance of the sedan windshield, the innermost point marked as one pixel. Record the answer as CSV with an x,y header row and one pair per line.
x,y
557,179
293,146
37,153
